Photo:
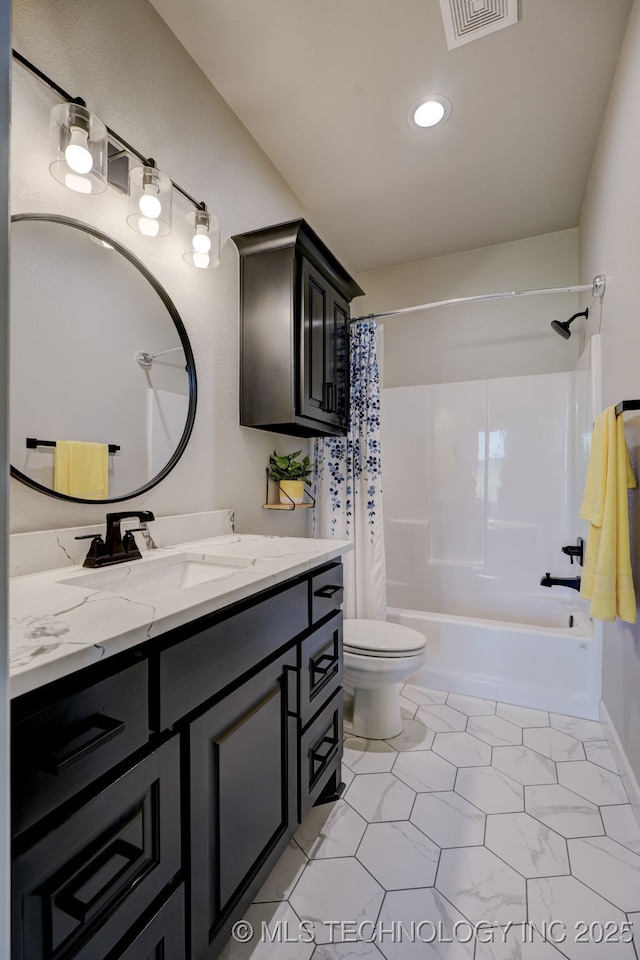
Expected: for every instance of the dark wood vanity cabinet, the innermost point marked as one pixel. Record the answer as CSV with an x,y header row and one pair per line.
x,y
294,323
154,793
243,779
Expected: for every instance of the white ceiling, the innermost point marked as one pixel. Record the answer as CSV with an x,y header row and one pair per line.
x,y
324,86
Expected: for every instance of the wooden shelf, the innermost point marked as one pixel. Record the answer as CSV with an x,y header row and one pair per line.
x,y
274,488
287,506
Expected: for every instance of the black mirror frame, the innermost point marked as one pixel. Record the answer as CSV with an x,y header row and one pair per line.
x,y
186,346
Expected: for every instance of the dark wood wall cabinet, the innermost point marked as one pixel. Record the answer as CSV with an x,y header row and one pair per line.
x,y
294,332
153,794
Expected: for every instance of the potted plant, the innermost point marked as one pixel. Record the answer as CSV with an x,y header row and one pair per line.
x,y
291,475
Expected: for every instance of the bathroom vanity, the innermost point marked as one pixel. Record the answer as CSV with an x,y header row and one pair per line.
x,y
154,790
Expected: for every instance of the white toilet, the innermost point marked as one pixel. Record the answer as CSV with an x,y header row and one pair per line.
x,y
378,658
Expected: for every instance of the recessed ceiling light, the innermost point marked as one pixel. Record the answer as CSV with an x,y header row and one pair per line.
x,y
429,111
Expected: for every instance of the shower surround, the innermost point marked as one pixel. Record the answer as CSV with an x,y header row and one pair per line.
x,y
481,490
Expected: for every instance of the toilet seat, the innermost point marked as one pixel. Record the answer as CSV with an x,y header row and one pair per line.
x,y
379,638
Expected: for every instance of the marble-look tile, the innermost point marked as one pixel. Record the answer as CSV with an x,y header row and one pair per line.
x,y
620,824
578,728
330,830
414,736
462,749
563,811
276,918
598,752
430,913
527,845
607,867
353,950
524,765
634,920
481,886
399,855
553,743
407,707
519,942
423,770
494,730
472,706
381,796
490,789
574,905
347,775
448,819
423,695
592,782
339,890
284,875
368,756
441,718
523,716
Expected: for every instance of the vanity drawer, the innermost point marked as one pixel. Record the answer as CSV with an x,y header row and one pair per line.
x,y
321,667
326,592
88,881
199,667
320,752
65,745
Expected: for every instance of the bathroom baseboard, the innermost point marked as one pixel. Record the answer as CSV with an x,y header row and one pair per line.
x,y
629,778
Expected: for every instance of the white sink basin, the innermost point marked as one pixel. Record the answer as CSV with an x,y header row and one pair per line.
x,y
155,579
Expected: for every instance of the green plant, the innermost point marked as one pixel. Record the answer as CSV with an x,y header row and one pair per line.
x,y
288,468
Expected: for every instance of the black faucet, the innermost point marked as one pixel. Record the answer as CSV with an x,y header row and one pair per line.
x,y
115,548
549,581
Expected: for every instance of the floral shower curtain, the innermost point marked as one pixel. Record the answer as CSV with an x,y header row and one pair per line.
x,y
348,484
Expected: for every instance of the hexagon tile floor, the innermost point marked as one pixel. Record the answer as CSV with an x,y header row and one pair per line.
x,y
478,829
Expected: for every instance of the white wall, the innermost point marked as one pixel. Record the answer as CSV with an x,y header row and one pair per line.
x,y
121,57
500,338
610,243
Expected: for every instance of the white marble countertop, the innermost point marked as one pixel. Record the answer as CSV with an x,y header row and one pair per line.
x,y
56,627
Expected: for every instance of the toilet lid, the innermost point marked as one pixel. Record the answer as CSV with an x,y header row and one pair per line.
x,y
381,638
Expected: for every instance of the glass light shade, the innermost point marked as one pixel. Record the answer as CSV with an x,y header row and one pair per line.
x,y
202,243
150,195
78,148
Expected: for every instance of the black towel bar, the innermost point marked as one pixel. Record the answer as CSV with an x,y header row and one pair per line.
x,y
32,443
627,405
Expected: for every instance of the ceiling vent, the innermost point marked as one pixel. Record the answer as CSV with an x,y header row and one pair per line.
x,y
467,20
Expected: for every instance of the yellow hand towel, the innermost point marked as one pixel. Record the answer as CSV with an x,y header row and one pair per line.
x,y
607,579
81,469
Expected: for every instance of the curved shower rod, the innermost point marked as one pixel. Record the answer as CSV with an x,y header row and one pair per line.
x,y
597,287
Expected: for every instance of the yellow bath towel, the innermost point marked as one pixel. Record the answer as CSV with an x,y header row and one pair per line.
x,y
81,469
607,579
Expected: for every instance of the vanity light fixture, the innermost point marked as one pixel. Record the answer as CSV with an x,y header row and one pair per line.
x,y
86,155
429,111
149,200
78,148
203,239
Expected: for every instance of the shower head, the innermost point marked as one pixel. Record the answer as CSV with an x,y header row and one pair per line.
x,y
563,328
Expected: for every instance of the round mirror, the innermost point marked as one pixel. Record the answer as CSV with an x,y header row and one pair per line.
x,y
103,383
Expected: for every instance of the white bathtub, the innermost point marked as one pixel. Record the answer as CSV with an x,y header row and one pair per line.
x,y
547,667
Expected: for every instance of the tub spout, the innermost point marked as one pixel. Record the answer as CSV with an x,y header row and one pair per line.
x,y
549,581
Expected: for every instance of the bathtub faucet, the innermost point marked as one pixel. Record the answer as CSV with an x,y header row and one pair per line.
x,y
549,581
